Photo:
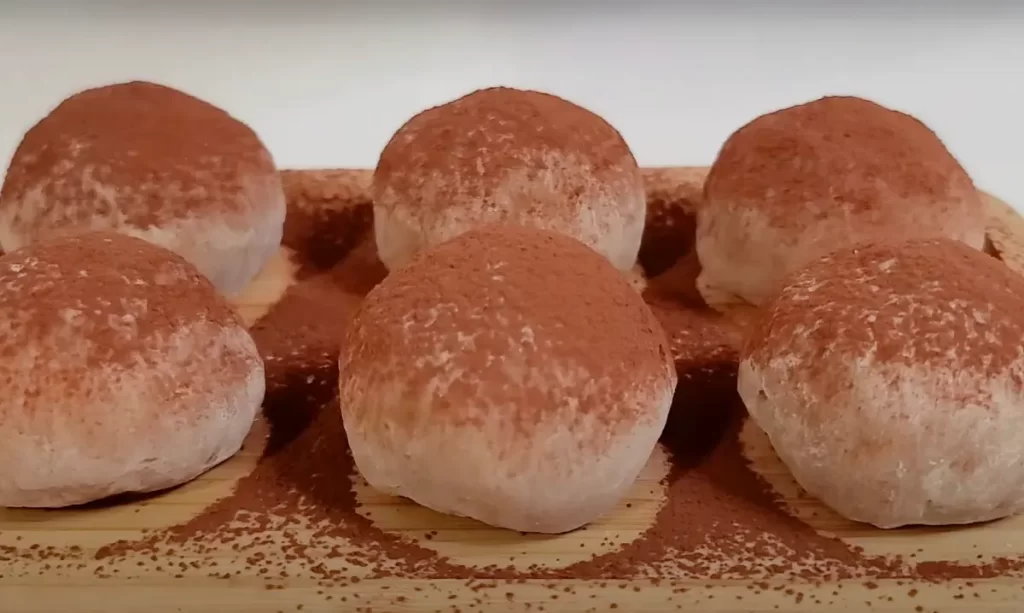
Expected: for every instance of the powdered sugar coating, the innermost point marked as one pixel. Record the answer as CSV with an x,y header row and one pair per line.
x,y
123,371
503,155
794,184
889,379
511,375
155,163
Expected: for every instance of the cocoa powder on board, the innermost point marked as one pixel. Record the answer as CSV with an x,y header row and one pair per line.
x,y
296,515
720,521
673,195
327,218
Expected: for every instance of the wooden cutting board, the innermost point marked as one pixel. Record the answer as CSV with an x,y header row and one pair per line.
x,y
714,523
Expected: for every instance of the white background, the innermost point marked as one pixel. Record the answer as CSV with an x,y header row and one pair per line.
x,y
325,84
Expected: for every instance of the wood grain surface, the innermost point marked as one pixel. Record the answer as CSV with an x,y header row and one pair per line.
x,y
55,561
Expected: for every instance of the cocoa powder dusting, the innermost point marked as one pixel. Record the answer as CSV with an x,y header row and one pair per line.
x,y
115,303
495,284
124,291
163,154
489,133
837,151
908,318
509,156
296,517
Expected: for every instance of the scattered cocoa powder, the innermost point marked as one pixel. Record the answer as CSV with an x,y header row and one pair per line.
x,y
296,515
673,197
329,214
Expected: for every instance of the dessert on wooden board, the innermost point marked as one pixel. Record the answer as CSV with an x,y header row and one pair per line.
x,y
150,161
124,371
898,366
510,156
794,184
510,374
713,517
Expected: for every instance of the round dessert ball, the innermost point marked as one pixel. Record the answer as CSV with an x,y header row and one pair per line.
x,y
151,162
510,375
890,380
123,371
792,185
504,155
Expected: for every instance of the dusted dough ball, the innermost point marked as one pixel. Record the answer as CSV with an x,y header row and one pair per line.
x,y
890,380
152,162
123,370
509,156
792,185
510,375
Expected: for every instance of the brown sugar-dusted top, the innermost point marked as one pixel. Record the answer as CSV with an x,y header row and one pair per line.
x,y
504,155
140,154
933,302
840,152
98,301
495,316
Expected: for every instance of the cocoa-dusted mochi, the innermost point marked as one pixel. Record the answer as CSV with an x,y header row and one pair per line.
x,y
510,375
152,162
890,380
503,155
122,369
794,184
